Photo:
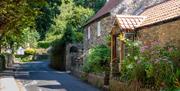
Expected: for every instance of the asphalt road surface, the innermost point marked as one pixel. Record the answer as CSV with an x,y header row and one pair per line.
x,y
37,76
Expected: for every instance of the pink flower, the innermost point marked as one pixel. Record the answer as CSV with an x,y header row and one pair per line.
x,y
170,49
156,42
144,48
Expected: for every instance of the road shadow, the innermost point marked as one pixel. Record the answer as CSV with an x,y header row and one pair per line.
x,y
40,71
52,86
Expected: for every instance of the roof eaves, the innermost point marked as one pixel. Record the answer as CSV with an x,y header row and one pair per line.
x,y
159,22
97,19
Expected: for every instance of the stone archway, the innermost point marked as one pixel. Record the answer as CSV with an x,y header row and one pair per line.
x,y
73,56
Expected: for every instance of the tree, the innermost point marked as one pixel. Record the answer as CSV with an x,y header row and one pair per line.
x,y
67,29
16,15
94,4
45,19
72,17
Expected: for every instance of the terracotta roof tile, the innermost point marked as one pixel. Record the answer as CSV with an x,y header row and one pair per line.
x,y
161,12
129,22
104,10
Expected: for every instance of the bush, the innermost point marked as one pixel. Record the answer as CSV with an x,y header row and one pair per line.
x,y
30,51
97,59
43,44
78,36
26,59
150,65
41,51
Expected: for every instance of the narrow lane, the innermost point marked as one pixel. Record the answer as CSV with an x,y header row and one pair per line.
x,y
37,76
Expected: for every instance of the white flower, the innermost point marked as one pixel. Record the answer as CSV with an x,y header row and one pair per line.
x,y
130,66
135,57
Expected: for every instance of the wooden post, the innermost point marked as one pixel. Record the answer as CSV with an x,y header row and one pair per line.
x,y
122,44
114,60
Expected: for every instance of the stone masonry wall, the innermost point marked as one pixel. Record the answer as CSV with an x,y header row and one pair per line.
x,y
106,25
165,34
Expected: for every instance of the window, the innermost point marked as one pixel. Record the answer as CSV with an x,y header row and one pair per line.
x,y
89,32
99,28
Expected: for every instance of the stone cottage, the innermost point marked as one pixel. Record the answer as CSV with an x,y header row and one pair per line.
x,y
156,23
100,25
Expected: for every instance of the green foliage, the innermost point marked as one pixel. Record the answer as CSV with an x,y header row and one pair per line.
x,y
30,51
67,27
45,19
94,4
43,44
97,59
68,36
41,51
17,22
24,58
78,36
18,14
151,65
25,38
28,38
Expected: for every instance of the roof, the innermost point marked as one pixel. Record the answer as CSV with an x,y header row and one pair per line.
x,y
164,11
129,22
106,9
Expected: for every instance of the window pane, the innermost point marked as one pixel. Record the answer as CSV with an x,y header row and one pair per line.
x,y
99,28
89,32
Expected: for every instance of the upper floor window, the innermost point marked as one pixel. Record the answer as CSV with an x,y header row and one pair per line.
x,y
89,32
99,28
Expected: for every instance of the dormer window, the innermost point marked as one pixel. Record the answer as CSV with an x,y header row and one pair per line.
x,y
99,28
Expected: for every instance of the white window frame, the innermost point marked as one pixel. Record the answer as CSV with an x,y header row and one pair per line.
x,y
99,28
89,32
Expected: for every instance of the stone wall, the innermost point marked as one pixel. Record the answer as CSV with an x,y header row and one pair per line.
x,y
74,54
165,34
93,79
120,86
106,25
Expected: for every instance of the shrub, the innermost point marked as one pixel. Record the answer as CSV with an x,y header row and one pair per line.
x,y
151,65
97,59
30,51
41,51
43,44
26,59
